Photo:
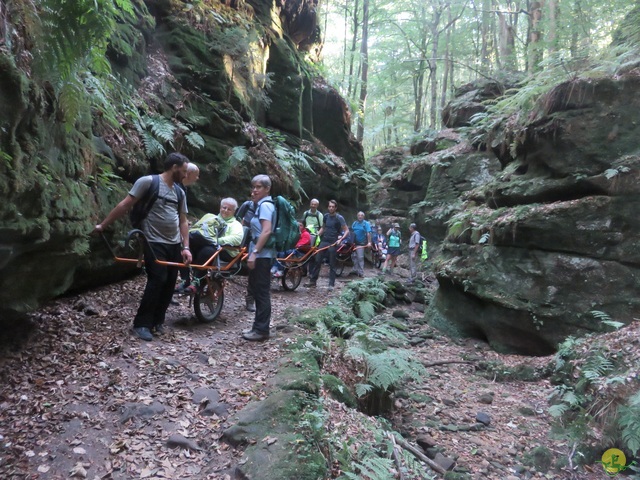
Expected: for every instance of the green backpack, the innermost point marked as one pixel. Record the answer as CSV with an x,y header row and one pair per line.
x,y
285,232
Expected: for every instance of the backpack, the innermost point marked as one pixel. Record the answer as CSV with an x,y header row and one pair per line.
x,y
243,210
143,206
422,250
309,214
285,232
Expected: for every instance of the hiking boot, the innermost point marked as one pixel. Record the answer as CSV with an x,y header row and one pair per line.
x,y
250,305
310,284
330,287
278,274
159,329
143,333
254,336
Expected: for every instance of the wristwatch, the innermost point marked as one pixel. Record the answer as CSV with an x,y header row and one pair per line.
x,y
256,252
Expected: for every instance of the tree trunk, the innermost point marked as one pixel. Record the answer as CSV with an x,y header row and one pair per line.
x,y
535,37
433,68
506,41
485,34
447,62
364,58
551,35
354,43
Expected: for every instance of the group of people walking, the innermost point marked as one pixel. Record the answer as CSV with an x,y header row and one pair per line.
x,y
170,238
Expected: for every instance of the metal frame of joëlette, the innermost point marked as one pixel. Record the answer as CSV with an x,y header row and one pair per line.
x,y
242,255
295,262
292,262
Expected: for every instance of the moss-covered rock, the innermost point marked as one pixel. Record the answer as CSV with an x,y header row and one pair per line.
x,y
339,390
298,371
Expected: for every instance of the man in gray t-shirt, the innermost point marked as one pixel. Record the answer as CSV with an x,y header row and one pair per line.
x,y
164,227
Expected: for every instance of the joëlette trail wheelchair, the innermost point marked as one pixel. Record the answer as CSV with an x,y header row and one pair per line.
x,y
293,266
343,255
208,297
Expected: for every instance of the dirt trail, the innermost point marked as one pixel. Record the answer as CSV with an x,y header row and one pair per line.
x,y
81,397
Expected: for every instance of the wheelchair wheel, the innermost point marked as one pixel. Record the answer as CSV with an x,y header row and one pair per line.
x,y
292,278
208,300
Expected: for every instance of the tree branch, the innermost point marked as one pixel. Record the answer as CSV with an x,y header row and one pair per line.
x,y
420,456
444,362
396,456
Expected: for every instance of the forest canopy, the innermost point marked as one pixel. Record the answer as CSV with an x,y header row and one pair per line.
x,y
399,63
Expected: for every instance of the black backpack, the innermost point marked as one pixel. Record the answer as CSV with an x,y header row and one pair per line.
x,y
143,206
244,209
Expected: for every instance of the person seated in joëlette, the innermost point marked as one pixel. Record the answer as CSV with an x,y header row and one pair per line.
x,y
302,247
207,234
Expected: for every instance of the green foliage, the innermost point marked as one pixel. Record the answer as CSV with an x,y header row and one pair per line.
x,y
157,131
69,45
388,368
628,420
237,155
365,297
586,403
370,466
359,458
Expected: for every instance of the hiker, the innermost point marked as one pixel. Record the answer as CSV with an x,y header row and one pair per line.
x,y
333,231
393,248
361,231
260,257
244,215
207,234
414,246
165,227
312,218
302,247
193,175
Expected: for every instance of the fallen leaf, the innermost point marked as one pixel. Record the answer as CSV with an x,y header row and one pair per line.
x,y
78,471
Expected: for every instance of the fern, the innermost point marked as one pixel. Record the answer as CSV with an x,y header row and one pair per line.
x,y
71,100
152,147
363,389
628,420
195,140
375,468
365,310
391,367
236,157
161,127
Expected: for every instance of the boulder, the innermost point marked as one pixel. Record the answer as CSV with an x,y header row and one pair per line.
x,y
553,238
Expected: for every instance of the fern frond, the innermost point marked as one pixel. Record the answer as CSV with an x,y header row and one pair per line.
x,y
393,366
628,419
70,100
161,127
195,140
152,147
363,389
558,410
365,310
375,468
238,155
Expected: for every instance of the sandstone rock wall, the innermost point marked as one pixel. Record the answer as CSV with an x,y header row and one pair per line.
x,y
553,240
233,72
